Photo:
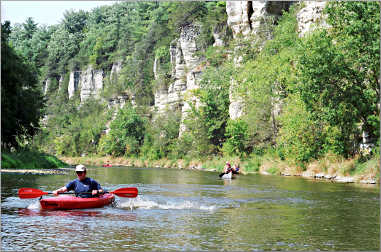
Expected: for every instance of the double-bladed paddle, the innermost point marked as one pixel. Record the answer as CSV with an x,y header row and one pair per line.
x,y
28,193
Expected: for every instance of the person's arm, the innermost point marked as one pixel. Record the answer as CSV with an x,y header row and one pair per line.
x,y
60,190
99,189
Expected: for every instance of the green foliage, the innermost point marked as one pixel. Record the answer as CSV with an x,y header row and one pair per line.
x,y
21,99
7,161
300,137
254,163
30,160
126,134
75,22
70,129
356,27
214,95
161,136
185,13
236,133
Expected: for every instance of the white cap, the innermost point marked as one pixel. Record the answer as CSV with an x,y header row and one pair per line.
x,y
80,168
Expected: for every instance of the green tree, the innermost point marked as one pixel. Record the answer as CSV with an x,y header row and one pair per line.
x,y
161,135
30,27
356,32
237,137
334,91
21,99
126,133
214,97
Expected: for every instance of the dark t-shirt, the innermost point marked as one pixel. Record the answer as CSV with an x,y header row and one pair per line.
x,y
86,185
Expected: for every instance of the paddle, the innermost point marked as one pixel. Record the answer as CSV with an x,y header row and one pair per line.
x,y
28,193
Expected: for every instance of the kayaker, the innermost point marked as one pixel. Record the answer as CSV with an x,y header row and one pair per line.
x,y
83,186
236,169
227,169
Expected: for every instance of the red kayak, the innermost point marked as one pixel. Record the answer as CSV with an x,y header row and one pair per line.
x,y
70,202
106,165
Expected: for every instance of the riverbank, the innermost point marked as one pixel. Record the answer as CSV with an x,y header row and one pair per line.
x,y
28,159
332,168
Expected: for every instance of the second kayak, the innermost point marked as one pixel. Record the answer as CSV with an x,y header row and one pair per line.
x,y
70,202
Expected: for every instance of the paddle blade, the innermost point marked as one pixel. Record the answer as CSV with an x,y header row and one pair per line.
x,y
29,193
129,192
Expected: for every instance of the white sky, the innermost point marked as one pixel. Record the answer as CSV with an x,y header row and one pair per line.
x,y
43,12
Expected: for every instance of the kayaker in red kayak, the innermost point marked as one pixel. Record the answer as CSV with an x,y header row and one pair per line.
x,y
82,186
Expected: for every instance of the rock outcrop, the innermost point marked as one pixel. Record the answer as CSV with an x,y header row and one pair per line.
x,y
73,82
311,16
115,70
186,73
45,86
254,18
91,83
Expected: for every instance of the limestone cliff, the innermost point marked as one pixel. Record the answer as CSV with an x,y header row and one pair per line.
x,y
247,19
186,73
91,83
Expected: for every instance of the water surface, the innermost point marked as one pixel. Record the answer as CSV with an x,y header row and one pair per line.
x,y
194,210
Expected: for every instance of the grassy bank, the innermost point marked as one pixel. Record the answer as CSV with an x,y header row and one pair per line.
x,y
330,166
30,160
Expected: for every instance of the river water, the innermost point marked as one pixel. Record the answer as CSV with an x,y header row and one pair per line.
x,y
194,210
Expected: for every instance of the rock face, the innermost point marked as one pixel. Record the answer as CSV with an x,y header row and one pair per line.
x,y
115,70
186,72
236,107
246,19
253,18
46,85
73,82
60,82
311,16
219,33
238,17
91,83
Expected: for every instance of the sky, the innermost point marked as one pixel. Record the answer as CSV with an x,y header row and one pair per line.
x,y
43,12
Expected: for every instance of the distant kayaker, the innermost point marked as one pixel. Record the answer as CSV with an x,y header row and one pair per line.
x,y
227,169
83,186
236,169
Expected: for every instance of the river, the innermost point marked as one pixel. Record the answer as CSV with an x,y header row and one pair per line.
x,y
195,210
